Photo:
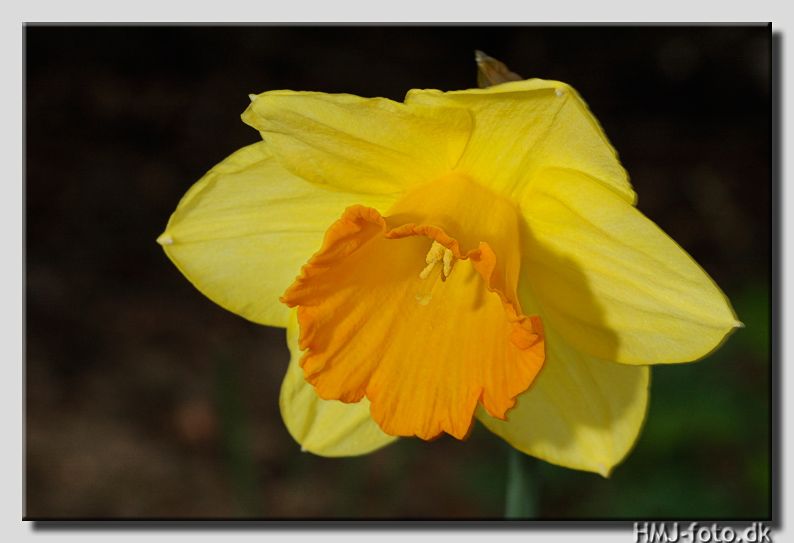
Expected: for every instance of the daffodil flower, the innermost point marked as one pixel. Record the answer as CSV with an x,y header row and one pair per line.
x,y
460,255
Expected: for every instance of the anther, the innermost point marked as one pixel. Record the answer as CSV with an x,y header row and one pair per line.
x,y
427,269
449,260
438,253
435,253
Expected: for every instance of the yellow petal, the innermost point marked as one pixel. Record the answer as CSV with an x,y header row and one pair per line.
x,y
241,233
521,127
613,284
581,412
324,427
369,145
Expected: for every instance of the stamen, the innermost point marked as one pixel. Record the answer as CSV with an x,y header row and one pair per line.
x,y
435,253
438,253
425,273
449,260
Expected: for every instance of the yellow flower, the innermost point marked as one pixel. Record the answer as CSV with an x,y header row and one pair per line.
x,y
463,254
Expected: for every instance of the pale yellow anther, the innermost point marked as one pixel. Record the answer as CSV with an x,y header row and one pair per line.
x,y
438,253
435,253
449,260
426,271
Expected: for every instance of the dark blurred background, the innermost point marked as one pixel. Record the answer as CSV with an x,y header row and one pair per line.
x,y
144,399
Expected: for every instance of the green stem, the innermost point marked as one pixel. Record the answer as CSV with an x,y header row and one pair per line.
x,y
237,439
521,487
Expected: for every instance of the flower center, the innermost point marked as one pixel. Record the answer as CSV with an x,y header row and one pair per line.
x,y
438,253
424,352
